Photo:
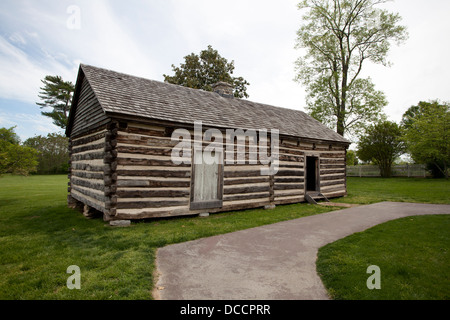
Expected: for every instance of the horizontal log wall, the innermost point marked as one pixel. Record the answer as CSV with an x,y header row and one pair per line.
x,y
333,173
137,178
148,183
245,187
87,170
289,182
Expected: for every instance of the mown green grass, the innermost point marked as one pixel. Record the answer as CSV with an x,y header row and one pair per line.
x,y
372,190
40,237
412,253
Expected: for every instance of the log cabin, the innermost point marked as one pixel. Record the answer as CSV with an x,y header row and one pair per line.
x,y
136,149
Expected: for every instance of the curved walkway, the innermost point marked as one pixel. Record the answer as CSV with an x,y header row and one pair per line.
x,y
273,262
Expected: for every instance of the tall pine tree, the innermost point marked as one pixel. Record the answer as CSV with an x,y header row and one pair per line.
x,y
57,95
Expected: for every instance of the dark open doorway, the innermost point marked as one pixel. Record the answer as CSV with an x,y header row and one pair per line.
x,y
312,179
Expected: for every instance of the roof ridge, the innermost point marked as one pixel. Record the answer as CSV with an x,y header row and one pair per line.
x,y
139,77
187,88
142,97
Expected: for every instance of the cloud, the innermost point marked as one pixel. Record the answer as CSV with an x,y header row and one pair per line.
x,y
252,33
420,65
17,38
27,125
105,39
145,38
258,35
19,78
44,45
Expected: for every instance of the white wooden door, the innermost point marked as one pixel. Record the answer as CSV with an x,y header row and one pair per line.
x,y
206,183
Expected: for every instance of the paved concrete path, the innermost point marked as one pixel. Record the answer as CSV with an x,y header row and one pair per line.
x,y
273,262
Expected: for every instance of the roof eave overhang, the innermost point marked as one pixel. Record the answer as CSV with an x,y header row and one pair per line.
x,y
119,116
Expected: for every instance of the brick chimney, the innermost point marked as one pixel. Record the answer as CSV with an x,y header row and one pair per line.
x,y
224,89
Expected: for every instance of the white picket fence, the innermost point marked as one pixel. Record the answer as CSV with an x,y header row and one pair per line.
x,y
407,170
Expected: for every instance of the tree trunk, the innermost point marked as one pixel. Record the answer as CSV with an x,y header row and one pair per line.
x,y
444,170
344,88
385,170
340,122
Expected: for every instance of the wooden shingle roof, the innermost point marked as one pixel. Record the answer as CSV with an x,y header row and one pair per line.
x,y
122,94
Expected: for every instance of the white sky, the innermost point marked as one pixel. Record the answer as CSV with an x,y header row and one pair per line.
x,y
144,38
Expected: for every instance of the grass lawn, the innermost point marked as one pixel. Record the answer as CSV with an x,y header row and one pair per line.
x,y
41,237
372,190
412,254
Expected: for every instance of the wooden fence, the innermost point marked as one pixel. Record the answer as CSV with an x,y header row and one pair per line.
x,y
407,170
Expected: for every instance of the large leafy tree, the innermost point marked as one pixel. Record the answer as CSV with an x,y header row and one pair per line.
x,y
56,95
53,154
381,144
339,37
203,70
351,159
15,158
427,135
